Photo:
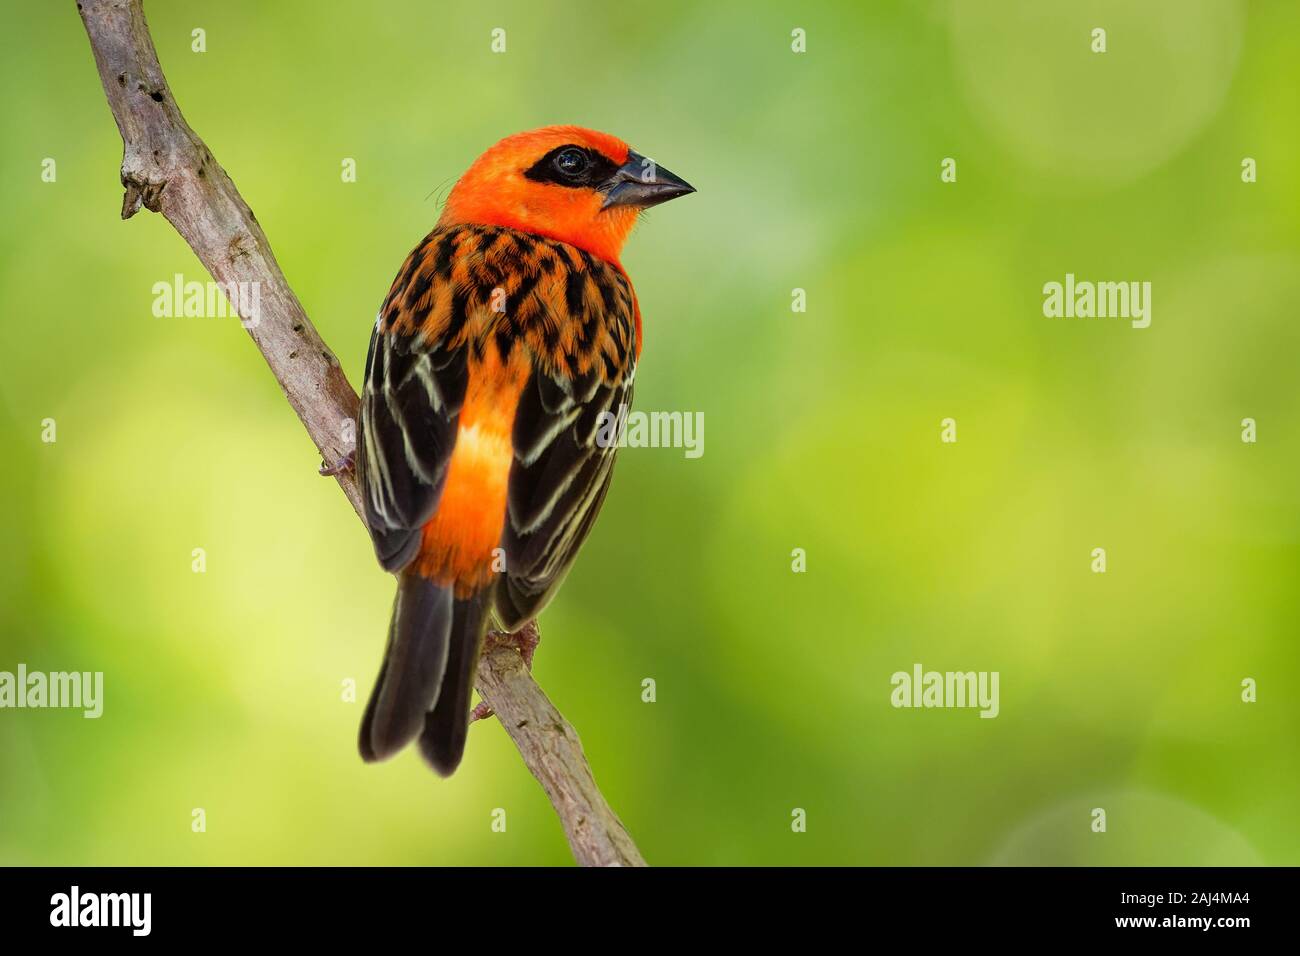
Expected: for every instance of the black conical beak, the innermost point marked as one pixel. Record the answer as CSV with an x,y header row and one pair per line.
x,y
642,184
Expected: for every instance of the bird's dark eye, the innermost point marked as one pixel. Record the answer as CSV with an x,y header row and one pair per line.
x,y
573,167
571,163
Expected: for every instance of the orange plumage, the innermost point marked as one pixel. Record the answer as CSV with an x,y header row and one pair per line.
x,y
510,334
458,541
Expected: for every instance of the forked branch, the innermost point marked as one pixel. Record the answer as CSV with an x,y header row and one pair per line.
x,y
167,168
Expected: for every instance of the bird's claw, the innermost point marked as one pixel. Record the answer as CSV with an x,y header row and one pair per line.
x,y
525,641
339,467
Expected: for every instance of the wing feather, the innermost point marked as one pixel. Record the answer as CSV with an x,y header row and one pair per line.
x,y
410,413
564,459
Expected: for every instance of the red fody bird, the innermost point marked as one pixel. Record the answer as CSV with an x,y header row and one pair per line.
x,y
510,335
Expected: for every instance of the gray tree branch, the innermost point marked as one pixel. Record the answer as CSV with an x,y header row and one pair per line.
x,y
167,168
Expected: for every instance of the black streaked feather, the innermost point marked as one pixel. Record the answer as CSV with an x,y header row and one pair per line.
x,y
563,463
410,412
574,287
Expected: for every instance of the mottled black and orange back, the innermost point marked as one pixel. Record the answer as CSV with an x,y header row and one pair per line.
x,y
469,284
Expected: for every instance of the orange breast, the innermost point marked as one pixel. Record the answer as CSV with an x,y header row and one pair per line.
x,y
459,539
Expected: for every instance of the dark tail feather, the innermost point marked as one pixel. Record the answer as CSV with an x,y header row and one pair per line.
x,y
414,664
445,729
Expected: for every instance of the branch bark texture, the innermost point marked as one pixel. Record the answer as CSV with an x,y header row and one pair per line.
x,y
168,169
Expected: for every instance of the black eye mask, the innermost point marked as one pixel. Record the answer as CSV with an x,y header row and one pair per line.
x,y
597,169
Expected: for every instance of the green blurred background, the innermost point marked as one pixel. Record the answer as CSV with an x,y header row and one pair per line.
x,y
817,171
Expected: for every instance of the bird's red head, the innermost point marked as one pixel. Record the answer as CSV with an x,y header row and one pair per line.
x,y
564,182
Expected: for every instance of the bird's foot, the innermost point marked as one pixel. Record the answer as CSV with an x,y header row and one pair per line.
x,y
339,467
525,641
